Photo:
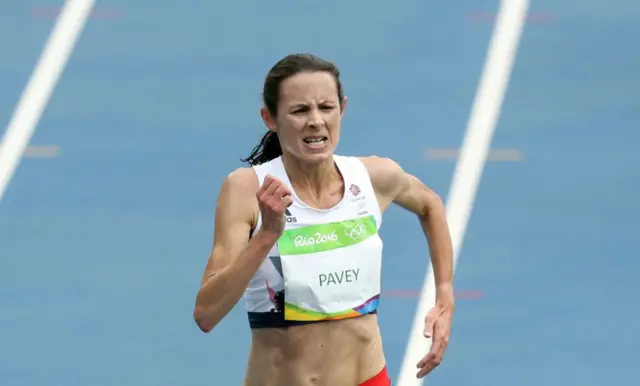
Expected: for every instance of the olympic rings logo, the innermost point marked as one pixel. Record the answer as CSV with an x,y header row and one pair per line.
x,y
355,232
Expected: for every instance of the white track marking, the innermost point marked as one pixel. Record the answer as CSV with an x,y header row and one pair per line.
x,y
475,148
40,86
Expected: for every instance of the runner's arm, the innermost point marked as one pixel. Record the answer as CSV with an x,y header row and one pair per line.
x,y
393,184
235,257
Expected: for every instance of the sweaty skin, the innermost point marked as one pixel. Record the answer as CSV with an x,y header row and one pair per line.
x,y
337,353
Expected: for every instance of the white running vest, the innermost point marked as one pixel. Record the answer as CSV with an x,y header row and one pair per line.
x,y
327,263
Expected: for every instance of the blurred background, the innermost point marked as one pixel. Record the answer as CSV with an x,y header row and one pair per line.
x,y
106,226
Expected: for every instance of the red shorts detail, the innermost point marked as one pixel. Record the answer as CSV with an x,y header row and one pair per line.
x,y
382,379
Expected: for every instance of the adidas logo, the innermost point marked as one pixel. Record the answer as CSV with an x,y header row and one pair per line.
x,y
289,217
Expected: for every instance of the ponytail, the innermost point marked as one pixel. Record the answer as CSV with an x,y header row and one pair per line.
x,y
267,150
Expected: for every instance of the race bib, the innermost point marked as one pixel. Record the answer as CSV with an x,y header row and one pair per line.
x,y
331,271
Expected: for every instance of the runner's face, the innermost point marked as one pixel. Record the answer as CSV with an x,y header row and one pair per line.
x,y
309,114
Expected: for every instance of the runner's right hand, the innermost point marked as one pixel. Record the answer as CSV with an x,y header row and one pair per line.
x,y
273,198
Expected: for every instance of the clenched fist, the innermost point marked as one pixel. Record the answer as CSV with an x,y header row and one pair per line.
x,y
273,198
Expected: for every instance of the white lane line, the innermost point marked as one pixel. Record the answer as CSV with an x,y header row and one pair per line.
x,y
475,147
40,86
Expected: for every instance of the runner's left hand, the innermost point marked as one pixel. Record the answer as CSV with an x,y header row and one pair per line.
x,y
437,326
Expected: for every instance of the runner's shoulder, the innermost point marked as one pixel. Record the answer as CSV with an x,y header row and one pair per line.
x,y
382,169
242,181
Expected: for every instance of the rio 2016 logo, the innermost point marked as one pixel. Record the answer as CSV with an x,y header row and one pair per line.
x,y
317,238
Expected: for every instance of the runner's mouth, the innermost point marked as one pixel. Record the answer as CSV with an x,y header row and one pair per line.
x,y
316,141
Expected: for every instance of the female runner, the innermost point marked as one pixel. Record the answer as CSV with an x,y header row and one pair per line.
x,y
296,232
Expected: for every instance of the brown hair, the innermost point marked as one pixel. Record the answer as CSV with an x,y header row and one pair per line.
x,y
269,147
